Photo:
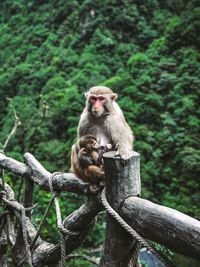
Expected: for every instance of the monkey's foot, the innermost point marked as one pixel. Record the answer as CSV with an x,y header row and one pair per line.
x,y
109,146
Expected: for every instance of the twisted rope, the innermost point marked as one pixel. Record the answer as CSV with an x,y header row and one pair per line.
x,y
59,220
135,253
43,220
21,209
129,229
25,238
58,212
63,230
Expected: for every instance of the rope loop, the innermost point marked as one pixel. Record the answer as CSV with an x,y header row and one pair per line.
x,y
25,237
129,229
51,182
62,229
58,213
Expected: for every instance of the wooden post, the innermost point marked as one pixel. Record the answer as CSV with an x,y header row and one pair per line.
x,y
121,183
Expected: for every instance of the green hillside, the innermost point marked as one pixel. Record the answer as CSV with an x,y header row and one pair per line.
x,y
51,52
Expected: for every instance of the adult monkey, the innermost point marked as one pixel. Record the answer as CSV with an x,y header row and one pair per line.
x,y
103,118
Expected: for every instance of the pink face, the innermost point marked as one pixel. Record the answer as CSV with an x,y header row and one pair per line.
x,y
97,105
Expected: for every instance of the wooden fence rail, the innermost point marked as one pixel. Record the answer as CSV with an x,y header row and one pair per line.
x,y
167,226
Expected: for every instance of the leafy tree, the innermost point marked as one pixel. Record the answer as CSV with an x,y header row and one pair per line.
x,y
51,52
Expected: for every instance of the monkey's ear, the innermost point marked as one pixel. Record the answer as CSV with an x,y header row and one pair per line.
x,y
114,96
87,95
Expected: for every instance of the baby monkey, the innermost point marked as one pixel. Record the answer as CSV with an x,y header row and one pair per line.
x,y
86,159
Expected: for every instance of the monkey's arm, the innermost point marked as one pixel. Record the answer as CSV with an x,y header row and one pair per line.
x,y
84,125
121,135
85,159
102,150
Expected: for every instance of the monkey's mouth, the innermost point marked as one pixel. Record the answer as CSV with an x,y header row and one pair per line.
x,y
96,114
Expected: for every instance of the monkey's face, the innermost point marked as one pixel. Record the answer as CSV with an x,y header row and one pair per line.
x,y
95,145
89,143
97,104
92,145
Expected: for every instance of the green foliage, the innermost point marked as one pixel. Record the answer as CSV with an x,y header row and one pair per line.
x,y
51,52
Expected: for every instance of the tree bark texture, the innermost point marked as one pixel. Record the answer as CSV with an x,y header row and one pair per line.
x,y
158,223
121,182
80,221
166,226
34,171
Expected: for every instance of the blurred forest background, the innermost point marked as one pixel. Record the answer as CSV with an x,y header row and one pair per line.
x,y
52,51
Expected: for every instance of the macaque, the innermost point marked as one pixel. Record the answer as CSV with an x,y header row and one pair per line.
x,y
86,159
103,118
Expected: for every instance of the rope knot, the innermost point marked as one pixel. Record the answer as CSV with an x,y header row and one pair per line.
x,y
51,183
139,240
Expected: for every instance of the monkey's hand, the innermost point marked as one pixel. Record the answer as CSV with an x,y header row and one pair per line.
x,y
85,159
124,156
108,146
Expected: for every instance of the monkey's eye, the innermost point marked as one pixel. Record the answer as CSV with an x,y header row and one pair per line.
x,y
93,98
101,98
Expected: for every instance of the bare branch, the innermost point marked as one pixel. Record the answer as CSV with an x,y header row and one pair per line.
x,y
34,171
13,165
79,221
166,226
17,123
28,195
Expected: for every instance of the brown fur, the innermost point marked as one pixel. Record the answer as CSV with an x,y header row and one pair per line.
x,y
85,161
96,90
